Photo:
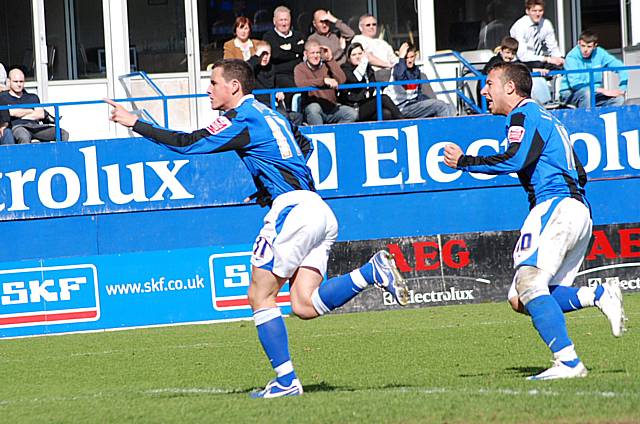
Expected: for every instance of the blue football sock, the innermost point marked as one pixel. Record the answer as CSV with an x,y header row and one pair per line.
x,y
567,297
339,290
548,319
272,334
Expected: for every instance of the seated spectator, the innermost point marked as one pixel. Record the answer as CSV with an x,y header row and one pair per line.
x,y
241,46
358,70
409,97
3,78
507,52
27,124
320,70
266,79
6,136
574,88
287,48
322,21
538,46
380,53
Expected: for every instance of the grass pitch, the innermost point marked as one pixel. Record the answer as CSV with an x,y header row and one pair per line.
x,y
454,364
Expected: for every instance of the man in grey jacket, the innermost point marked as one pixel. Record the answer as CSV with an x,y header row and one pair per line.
x,y
323,34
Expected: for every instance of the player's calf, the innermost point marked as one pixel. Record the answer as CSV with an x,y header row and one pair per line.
x,y
380,271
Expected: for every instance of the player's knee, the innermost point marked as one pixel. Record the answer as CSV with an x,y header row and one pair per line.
x,y
304,312
516,305
531,282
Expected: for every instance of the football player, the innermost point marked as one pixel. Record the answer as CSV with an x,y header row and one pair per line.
x,y
556,233
299,229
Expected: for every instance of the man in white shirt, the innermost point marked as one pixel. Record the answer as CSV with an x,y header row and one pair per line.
x,y
380,53
538,46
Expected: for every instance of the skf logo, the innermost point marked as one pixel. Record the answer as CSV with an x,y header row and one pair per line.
x,y
48,295
230,277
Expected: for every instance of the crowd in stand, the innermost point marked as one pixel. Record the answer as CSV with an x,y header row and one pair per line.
x,y
330,56
333,55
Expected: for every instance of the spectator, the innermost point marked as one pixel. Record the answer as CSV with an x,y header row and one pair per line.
x,y
380,53
287,48
241,46
322,20
3,78
27,124
320,70
507,52
6,136
575,89
266,79
358,70
411,101
538,46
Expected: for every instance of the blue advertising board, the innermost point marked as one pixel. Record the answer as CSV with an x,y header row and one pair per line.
x,y
129,290
95,231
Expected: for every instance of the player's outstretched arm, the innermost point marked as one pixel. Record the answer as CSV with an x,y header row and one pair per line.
x,y
452,153
120,115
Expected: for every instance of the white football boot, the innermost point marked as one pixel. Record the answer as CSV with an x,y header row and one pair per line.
x,y
387,276
610,303
560,370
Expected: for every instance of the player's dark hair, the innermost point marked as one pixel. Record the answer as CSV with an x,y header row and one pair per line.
x,y
412,48
519,74
239,70
588,36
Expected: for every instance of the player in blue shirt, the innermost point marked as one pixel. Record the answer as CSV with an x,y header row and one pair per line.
x,y
300,228
556,233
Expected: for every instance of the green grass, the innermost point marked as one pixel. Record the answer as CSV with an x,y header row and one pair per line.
x,y
455,364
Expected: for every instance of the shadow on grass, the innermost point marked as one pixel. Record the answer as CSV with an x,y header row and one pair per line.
x,y
525,371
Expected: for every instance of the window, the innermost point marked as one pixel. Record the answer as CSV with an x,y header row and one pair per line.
x,y
481,24
16,42
75,38
399,21
157,32
603,17
217,17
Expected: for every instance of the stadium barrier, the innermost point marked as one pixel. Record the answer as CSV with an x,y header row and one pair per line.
x,y
111,234
476,108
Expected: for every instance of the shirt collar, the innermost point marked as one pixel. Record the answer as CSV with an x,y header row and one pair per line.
x,y
287,35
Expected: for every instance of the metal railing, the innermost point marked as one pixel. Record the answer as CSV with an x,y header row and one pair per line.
x,y
378,86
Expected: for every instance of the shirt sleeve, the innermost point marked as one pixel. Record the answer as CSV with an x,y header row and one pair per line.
x,y
610,61
550,40
223,134
525,147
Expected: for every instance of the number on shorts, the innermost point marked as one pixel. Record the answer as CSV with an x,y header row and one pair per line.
x,y
525,242
261,247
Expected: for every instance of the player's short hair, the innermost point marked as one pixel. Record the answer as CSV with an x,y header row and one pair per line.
x,y
242,21
239,70
412,48
509,43
518,73
588,36
528,4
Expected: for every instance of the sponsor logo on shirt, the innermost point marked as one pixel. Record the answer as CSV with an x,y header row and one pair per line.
x,y
515,134
220,124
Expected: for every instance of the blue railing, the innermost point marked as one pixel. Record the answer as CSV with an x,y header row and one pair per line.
x,y
378,86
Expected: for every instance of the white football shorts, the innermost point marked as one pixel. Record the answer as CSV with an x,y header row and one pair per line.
x,y
554,238
299,230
